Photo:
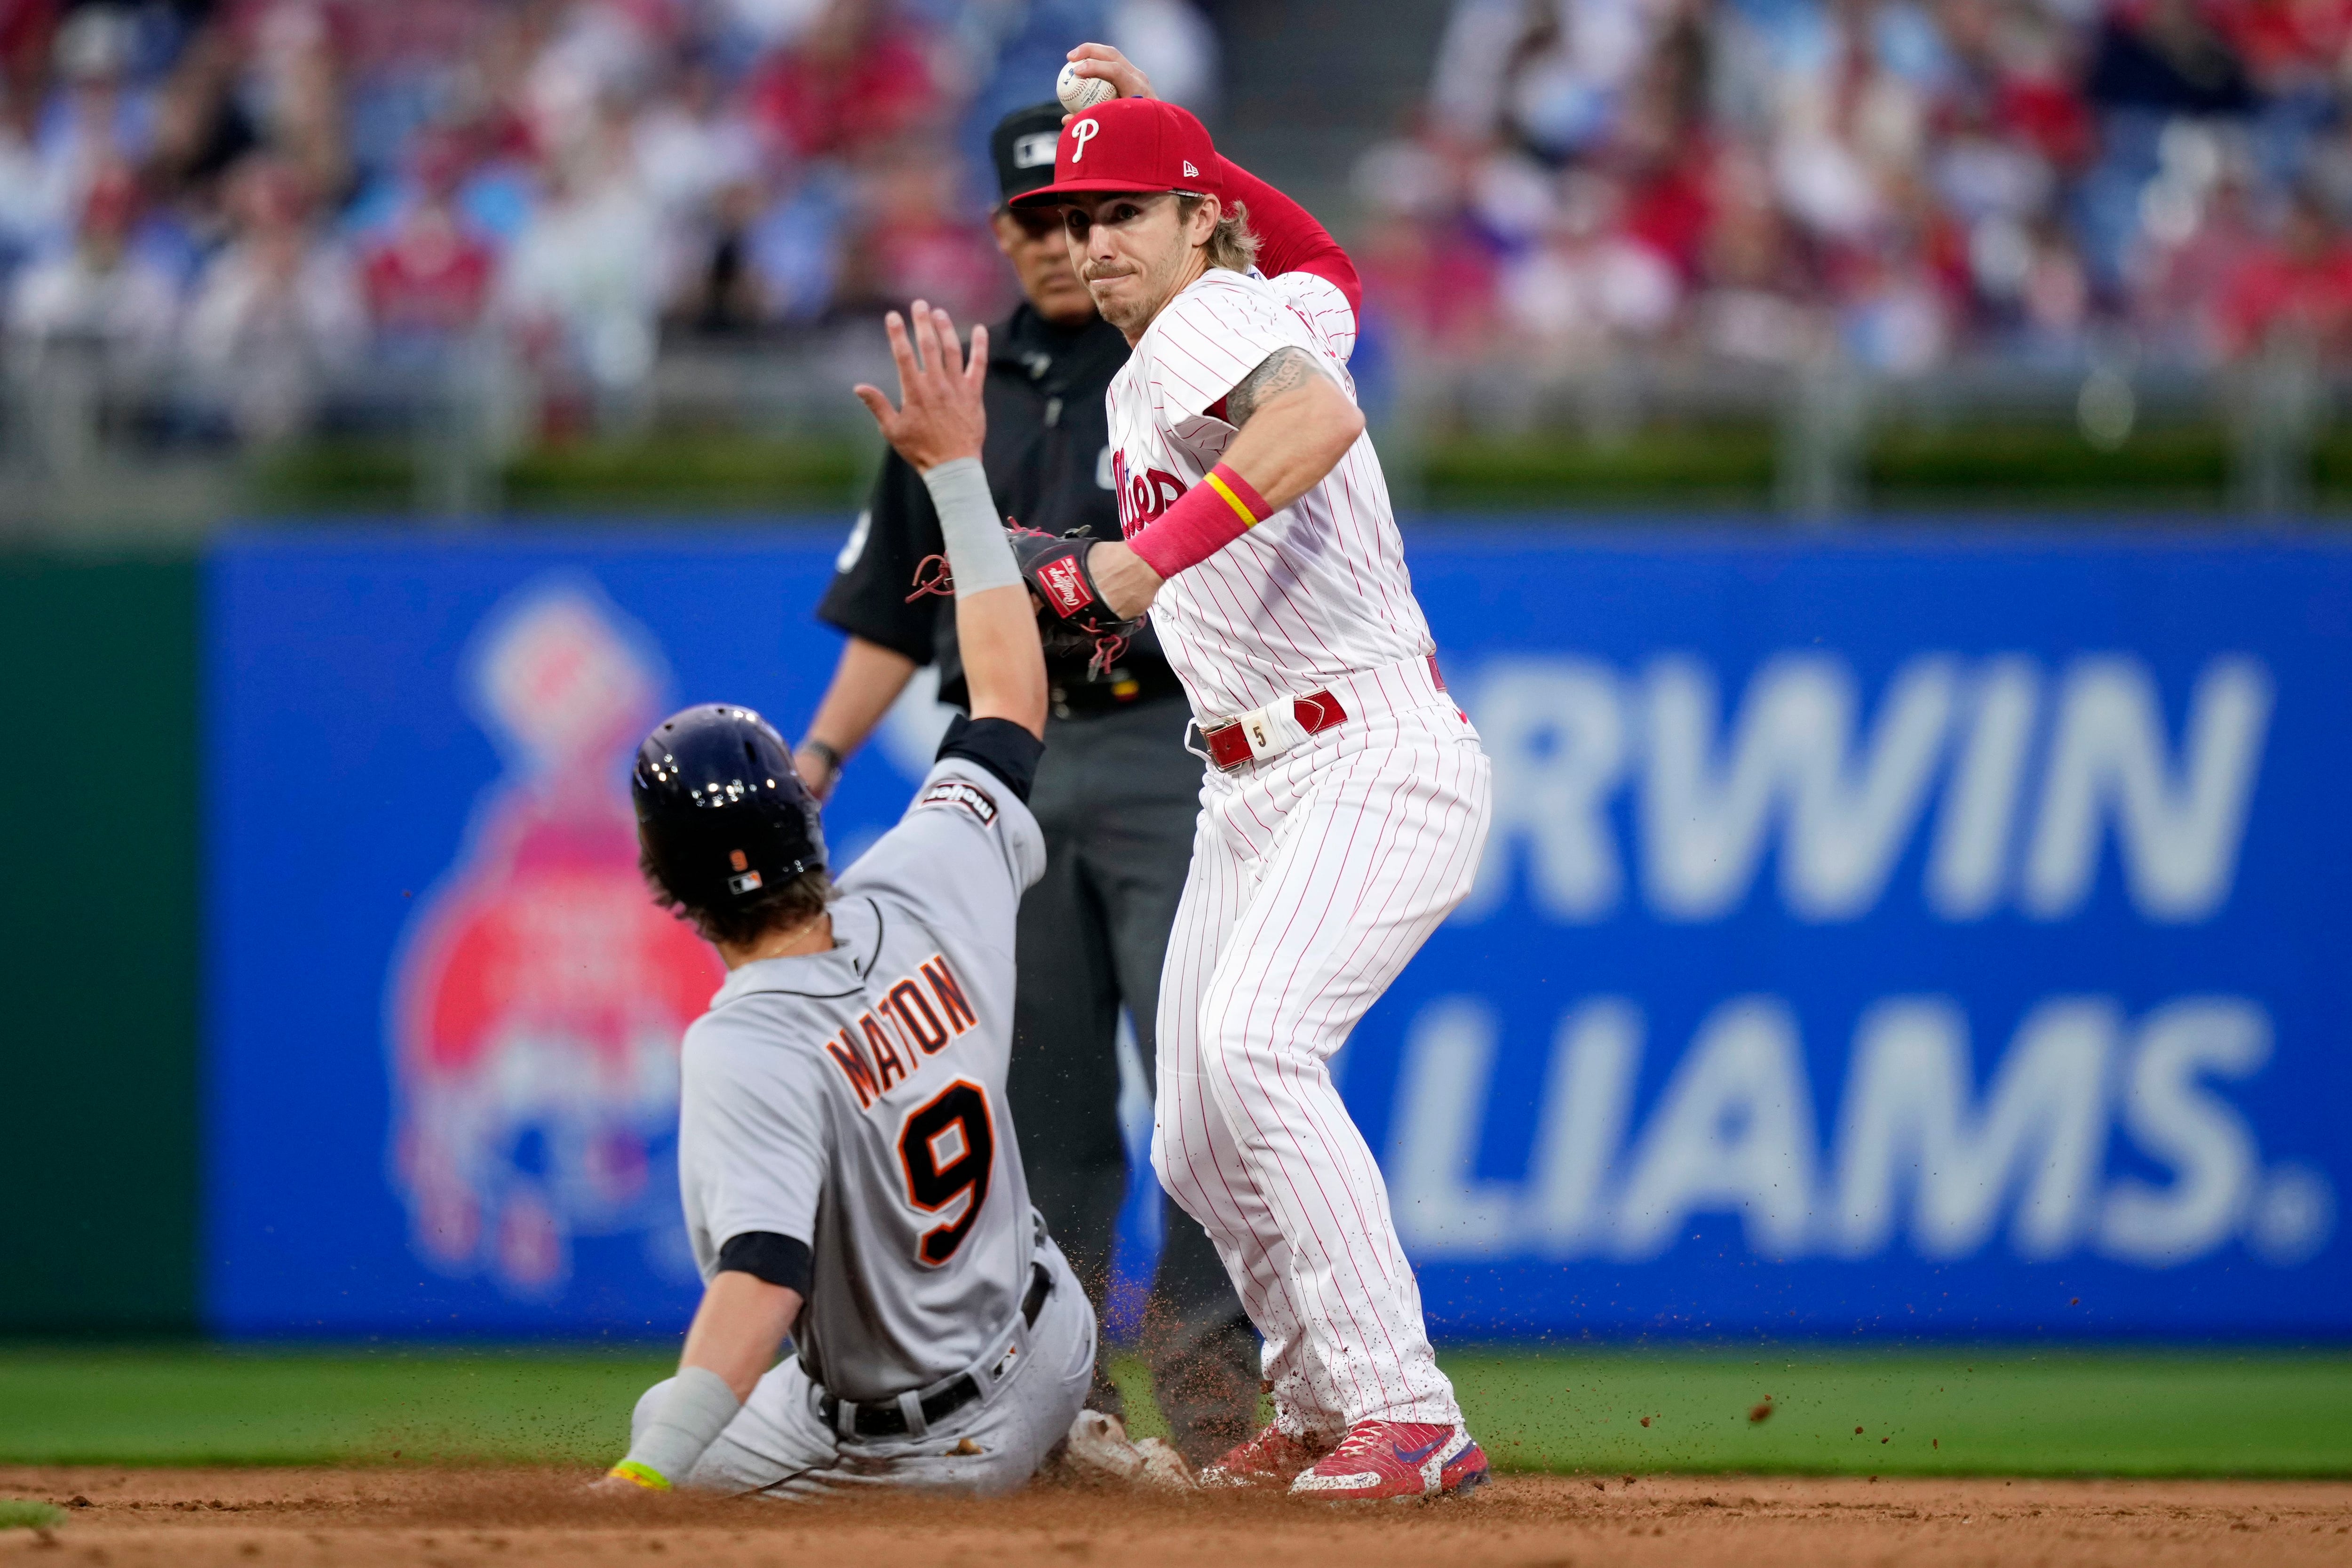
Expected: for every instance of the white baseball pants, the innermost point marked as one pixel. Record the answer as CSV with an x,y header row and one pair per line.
x,y
1317,875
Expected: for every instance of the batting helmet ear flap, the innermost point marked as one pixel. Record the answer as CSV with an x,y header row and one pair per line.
x,y
722,815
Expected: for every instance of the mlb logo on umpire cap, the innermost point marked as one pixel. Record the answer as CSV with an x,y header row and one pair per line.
x,y
1022,146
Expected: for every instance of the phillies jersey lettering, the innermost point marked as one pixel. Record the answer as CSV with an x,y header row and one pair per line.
x,y
1315,591
1144,496
854,1099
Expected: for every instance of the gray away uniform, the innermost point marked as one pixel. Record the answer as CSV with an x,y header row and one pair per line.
x,y
854,1100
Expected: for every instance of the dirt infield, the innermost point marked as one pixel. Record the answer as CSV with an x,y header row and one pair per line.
x,y
443,1518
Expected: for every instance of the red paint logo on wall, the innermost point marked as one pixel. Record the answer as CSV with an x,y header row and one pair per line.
x,y
539,997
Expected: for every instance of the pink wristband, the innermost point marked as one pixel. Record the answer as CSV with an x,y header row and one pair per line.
x,y
1204,520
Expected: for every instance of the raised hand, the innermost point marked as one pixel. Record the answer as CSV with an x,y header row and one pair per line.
x,y
1106,64
939,416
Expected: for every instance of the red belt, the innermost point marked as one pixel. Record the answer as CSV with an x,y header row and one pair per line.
x,y
1262,733
1254,735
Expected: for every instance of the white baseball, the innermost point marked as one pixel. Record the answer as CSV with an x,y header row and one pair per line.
x,y
1081,93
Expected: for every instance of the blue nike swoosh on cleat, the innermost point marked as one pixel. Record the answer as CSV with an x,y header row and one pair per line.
x,y
1415,1456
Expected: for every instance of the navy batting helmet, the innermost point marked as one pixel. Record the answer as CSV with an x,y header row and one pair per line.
x,y
723,818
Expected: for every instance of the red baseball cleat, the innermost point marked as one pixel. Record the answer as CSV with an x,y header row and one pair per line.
x,y
1272,1458
1394,1461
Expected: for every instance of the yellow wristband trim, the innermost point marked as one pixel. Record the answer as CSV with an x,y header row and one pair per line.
x,y
1249,519
645,1476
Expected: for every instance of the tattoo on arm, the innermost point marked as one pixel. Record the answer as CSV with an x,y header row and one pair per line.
x,y
1278,372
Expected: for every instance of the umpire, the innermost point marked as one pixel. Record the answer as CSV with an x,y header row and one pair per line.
x,y
1116,795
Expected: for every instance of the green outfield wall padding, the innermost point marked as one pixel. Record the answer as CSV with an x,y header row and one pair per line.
x,y
99,953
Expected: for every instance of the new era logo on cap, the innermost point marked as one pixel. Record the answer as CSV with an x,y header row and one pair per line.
x,y
1191,172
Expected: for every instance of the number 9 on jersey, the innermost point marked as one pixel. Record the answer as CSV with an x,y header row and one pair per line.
x,y
948,1149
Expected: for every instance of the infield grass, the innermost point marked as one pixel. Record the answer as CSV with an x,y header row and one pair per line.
x,y
1996,1411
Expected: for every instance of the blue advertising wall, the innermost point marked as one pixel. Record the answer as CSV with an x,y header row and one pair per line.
x,y
1928,937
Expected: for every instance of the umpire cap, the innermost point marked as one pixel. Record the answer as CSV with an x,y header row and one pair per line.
x,y
723,818
1022,145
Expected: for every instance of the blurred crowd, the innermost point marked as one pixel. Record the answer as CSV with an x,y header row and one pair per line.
x,y
1898,182
261,212
266,205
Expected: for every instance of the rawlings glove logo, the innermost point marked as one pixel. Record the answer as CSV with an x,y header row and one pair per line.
x,y
1070,607
1065,584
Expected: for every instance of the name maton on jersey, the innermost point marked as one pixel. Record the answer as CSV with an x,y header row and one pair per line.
x,y
873,1058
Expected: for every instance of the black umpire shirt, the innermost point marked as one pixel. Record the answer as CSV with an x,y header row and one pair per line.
x,y
1048,462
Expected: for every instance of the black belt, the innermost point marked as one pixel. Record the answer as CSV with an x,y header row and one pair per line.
x,y
886,1420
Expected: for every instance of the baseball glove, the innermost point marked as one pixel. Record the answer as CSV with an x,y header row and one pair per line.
x,y
1072,618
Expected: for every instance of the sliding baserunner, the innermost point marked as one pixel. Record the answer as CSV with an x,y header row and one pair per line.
x,y
850,1175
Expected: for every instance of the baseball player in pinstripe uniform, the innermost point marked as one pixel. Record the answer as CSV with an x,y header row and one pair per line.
x,y
1346,802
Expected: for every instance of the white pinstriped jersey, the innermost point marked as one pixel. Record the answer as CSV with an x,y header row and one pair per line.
x,y
1315,591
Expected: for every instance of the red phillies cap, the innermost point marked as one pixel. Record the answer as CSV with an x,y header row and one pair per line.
x,y
1130,144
